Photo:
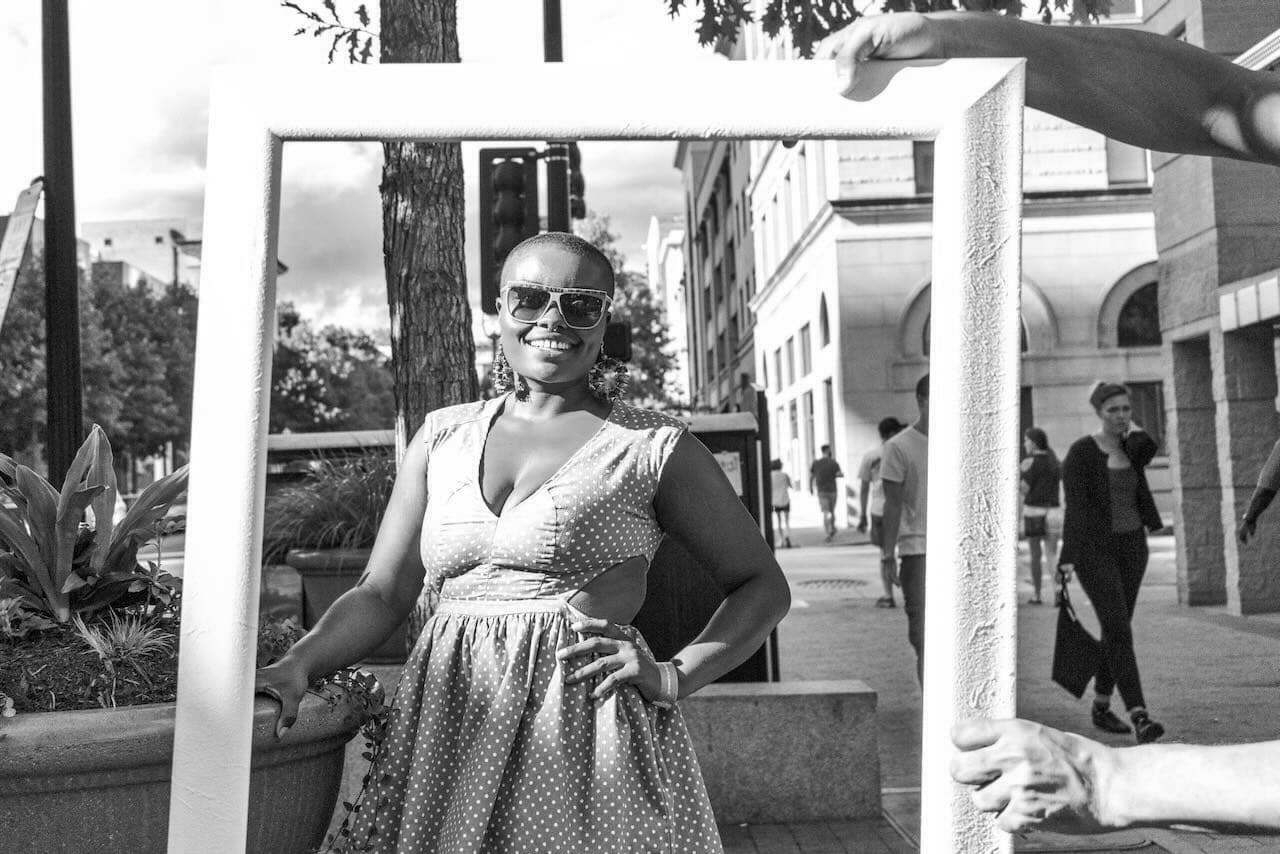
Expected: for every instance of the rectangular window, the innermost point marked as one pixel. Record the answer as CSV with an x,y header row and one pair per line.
x,y
795,425
922,153
777,369
791,360
717,284
1148,410
829,401
722,356
803,177
733,334
806,359
764,370
788,209
806,415
711,365
1126,165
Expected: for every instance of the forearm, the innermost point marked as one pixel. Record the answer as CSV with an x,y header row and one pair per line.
x,y
1148,90
353,627
863,494
1227,786
738,628
1261,501
889,524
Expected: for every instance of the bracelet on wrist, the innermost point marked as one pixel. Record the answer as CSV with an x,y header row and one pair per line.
x,y
668,686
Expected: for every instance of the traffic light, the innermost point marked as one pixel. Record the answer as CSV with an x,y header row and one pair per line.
x,y
577,187
508,212
617,341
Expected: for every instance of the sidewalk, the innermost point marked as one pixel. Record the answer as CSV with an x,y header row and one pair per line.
x,y
1209,677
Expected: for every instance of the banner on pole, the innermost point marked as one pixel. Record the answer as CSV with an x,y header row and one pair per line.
x,y
17,234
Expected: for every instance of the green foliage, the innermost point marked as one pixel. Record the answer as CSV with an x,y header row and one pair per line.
x,y
810,21
275,637
338,505
331,379
56,563
137,353
128,642
634,304
355,40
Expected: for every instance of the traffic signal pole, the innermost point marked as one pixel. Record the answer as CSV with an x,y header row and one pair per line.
x,y
62,299
557,156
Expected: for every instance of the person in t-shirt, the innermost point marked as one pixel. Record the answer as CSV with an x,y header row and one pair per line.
x,y
822,480
904,474
869,474
781,486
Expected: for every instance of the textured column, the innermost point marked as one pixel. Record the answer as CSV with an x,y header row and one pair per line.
x,y
1245,398
1193,458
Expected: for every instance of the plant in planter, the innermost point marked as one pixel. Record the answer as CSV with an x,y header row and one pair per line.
x,y
324,527
88,671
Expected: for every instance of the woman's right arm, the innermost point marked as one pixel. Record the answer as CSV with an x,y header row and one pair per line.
x,y
363,617
1075,489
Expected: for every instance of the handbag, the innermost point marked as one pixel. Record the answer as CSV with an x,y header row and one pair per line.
x,y
1076,653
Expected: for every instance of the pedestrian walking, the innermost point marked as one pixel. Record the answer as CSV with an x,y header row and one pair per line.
x,y
780,487
1104,541
904,474
869,476
1041,517
1268,484
822,479
530,716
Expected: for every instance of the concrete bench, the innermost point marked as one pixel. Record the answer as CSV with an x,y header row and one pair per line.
x,y
787,751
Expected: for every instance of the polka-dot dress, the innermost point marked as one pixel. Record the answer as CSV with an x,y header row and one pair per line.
x,y
488,749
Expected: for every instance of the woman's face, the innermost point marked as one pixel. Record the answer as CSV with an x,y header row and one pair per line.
x,y
1116,414
548,352
1027,445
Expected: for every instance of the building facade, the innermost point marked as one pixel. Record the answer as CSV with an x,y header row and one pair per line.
x,y
842,232
664,264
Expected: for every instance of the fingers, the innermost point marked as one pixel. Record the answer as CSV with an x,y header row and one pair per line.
x,y
598,645
978,732
614,680
288,706
595,626
600,665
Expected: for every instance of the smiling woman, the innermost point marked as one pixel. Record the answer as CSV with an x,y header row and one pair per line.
x,y
531,715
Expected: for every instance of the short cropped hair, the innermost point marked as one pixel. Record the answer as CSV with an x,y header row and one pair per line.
x,y
889,427
571,243
922,387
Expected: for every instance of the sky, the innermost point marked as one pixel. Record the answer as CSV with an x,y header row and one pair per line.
x,y
140,76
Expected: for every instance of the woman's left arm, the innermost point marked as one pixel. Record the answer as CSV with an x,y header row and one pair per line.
x,y
1140,447
697,506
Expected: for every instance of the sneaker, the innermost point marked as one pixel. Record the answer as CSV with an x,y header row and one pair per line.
x,y
829,538
1035,600
788,542
1145,729
1105,719
886,602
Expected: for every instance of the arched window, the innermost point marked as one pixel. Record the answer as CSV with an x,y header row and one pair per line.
x,y
1138,324
924,335
824,326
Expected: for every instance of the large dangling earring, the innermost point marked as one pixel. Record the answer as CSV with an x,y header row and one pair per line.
x,y
608,377
501,372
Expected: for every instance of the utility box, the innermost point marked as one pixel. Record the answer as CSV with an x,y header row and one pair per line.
x,y
682,593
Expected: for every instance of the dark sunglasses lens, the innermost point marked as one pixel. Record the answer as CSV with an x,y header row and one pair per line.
x,y
581,310
527,304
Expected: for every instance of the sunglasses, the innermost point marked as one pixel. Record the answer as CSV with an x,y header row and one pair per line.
x,y
581,308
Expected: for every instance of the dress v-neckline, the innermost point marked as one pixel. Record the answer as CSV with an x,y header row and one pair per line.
x,y
487,428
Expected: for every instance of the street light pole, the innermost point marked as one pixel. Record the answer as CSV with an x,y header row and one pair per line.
x,y
62,305
557,156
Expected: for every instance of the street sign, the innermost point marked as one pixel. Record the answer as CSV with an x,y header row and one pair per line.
x,y
13,248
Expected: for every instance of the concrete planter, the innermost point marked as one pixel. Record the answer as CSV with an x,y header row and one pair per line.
x,y
326,575
98,780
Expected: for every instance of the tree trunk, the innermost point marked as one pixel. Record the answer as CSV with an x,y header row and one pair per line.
x,y
432,349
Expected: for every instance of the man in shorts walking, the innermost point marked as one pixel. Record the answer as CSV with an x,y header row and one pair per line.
x,y
822,480
869,474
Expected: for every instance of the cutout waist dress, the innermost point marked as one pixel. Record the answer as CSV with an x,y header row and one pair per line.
x,y
488,749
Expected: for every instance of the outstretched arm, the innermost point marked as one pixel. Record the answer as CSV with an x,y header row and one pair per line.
x,y
1033,776
1148,90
